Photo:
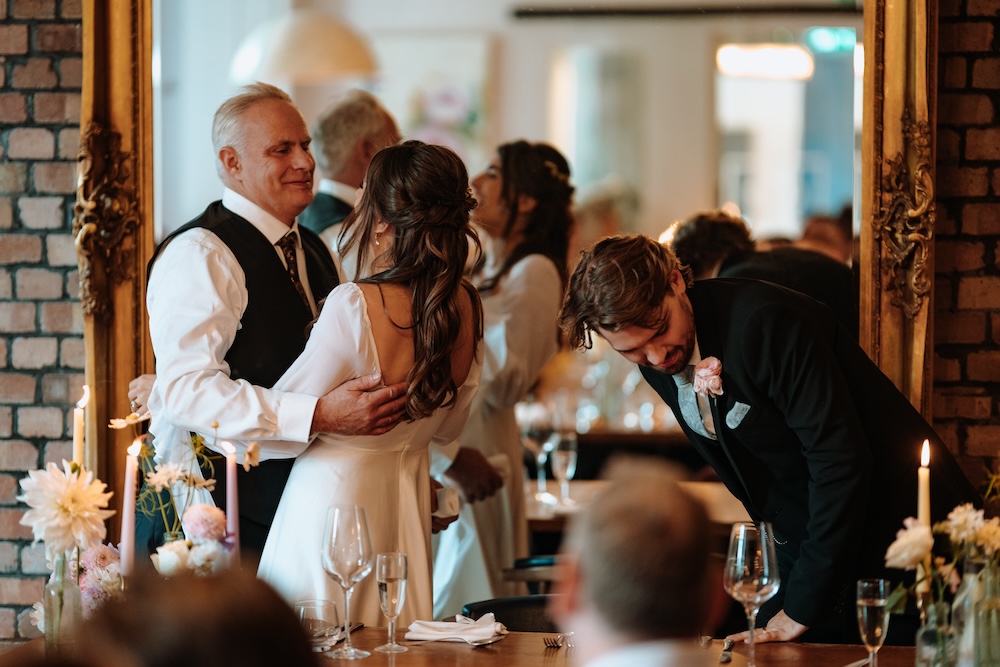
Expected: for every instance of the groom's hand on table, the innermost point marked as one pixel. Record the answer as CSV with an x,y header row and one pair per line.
x,y
781,628
360,407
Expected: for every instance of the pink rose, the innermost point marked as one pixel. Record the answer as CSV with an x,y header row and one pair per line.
x,y
204,523
708,377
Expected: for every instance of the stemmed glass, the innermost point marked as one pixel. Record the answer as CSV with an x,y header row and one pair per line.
x,y
564,455
873,615
347,558
390,573
534,418
751,575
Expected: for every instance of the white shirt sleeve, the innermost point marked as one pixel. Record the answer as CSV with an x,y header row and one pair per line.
x,y
196,297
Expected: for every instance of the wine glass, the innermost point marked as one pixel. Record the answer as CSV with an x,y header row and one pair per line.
x,y
563,456
535,422
319,621
873,615
347,558
390,573
751,575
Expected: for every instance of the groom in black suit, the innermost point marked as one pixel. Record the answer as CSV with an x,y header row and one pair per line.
x,y
807,432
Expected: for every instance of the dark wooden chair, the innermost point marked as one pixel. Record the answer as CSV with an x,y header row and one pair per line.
x,y
525,613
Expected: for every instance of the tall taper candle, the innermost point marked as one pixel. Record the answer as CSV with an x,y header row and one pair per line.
x,y
232,502
126,545
924,508
78,427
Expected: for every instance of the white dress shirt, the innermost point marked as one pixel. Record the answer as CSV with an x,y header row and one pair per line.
x,y
195,298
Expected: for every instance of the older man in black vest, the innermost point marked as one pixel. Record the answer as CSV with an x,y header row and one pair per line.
x,y
230,296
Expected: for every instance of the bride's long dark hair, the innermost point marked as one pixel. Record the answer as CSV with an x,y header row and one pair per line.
x,y
422,192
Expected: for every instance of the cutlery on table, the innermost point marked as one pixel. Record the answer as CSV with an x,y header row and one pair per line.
x,y
727,651
354,626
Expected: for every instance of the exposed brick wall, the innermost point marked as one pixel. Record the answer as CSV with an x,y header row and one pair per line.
x,y
41,347
967,311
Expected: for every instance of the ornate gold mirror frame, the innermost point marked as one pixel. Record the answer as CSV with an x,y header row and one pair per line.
x,y
114,225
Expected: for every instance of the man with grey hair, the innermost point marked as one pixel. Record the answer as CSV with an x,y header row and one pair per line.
x,y
347,135
635,584
230,295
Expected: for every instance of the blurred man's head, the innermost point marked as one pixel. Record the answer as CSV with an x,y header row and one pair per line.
x,y
707,240
349,133
635,564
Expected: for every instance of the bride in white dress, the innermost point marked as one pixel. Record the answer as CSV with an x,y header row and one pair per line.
x,y
416,320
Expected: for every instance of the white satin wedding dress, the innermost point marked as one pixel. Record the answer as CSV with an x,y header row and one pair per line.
x,y
386,474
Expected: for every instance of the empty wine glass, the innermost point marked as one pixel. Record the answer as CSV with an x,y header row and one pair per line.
x,y
563,456
390,573
751,575
320,622
534,418
347,558
873,615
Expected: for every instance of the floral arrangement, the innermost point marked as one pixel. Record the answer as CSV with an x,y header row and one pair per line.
x,y
99,578
206,549
967,530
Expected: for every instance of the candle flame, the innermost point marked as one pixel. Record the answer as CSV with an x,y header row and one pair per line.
x,y
82,403
228,446
925,455
135,447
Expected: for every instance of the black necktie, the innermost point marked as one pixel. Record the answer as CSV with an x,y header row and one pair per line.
x,y
287,244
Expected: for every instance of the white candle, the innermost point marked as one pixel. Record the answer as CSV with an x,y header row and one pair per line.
x,y
126,546
78,426
924,510
232,502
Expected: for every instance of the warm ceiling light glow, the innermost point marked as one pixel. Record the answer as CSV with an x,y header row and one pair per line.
x,y
765,61
304,47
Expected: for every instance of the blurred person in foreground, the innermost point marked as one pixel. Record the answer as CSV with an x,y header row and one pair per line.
x,y
231,619
791,413
635,585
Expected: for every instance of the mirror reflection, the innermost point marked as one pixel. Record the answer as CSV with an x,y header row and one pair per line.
x,y
637,102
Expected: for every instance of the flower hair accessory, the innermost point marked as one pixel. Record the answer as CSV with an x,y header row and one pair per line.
x,y
708,377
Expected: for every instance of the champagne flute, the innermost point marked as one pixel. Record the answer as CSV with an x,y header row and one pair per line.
x,y
751,575
390,573
873,615
564,456
347,558
535,422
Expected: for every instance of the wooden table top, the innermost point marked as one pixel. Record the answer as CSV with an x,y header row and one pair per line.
x,y
526,649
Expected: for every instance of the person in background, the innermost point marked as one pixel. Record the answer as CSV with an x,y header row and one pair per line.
x,y
417,320
229,297
231,619
635,584
525,221
345,136
795,419
717,243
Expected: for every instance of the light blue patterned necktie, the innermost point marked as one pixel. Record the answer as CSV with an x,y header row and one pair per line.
x,y
688,402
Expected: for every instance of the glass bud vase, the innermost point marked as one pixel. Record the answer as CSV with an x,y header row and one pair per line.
x,y
963,608
63,608
936,645
987,649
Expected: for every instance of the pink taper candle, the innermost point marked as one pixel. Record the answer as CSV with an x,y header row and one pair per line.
x,y
78,427
924,508
232,502
126,545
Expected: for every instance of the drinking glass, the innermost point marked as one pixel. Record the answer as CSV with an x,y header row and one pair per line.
x,y
390,573
751,575
534,419
873,616
563,455
320,622
347,558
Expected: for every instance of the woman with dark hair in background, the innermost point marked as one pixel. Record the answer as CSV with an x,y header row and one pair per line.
x,y
414,319
525,221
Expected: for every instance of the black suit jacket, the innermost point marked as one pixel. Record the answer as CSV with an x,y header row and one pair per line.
x,y
828,450
324,211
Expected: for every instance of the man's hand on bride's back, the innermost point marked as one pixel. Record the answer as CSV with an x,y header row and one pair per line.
x,y
357,407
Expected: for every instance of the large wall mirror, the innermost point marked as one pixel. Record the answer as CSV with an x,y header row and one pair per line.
x,y
653,73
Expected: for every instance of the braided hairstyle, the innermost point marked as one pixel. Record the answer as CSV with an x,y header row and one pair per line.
x,y
541,172
422,192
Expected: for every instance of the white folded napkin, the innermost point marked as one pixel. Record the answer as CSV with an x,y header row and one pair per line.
x,y
463,629
448,502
